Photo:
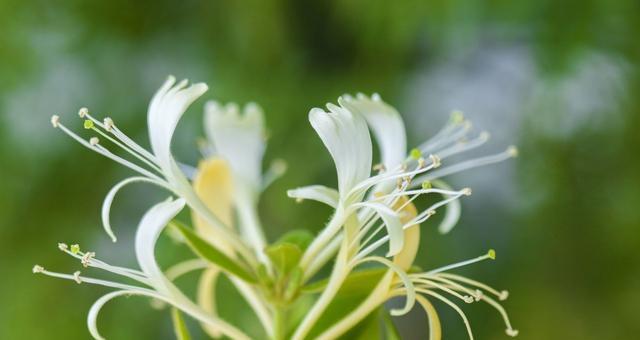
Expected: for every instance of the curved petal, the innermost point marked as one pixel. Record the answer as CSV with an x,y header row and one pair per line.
x,y
238,138
108,200
452,212
385,123
148,232
435,330
392,224
206,295
408,284
320,193
346,136
92,317
165,110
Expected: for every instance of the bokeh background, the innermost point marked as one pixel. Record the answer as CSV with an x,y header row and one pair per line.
x,y
558,79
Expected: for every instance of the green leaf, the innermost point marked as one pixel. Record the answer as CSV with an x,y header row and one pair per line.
x,y
179,327
356,288
210,253
284,256
300,237
367,329
355,282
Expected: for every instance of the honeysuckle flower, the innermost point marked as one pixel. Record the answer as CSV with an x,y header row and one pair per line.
x,y
152,281
160,168
403,177
375,220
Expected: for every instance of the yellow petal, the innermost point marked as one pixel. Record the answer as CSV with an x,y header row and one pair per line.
x,y
404,259
214,185
206,298
435,332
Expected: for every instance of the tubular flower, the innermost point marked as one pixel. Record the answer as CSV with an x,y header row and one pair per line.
x,y
374,221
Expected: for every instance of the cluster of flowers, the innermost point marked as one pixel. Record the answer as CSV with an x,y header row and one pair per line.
x,y
373,206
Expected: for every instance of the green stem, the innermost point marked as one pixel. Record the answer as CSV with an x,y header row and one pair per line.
x,y
280,323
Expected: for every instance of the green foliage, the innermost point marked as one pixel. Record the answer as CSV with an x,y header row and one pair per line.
x,y
210,253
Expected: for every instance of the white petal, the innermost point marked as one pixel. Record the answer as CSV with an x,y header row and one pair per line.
x,y
238,138
346,136
386,124
393,225
165,110
453,210
149,229
320,193
92,317
108,200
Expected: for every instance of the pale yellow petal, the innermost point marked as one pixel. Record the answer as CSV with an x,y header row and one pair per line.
x,y
214,186
404,259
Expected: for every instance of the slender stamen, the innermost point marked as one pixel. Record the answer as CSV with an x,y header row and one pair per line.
x,y
427,283
452,305
127,149
512,151
489,255
460,147
76,277
502,295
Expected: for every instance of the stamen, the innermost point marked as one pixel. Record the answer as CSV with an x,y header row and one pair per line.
x,y
486,256
108,124
83,112
37,269
435,160
457,116
76,277
473,163
87,257
63,246
502,295
415,153
55,120
94,141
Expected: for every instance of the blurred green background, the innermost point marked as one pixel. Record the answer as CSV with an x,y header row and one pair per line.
x,y
558,79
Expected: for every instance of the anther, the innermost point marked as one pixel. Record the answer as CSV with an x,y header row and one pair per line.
x,y
279,166
479,295
491,254
63,246
457,116
511,332
76,277
94,141
379,167
466,191
415,153
37,269
83,112
512,151
87,257
435,160
108,124
468,299
426,185
503,295
75,248
55,120
421,163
